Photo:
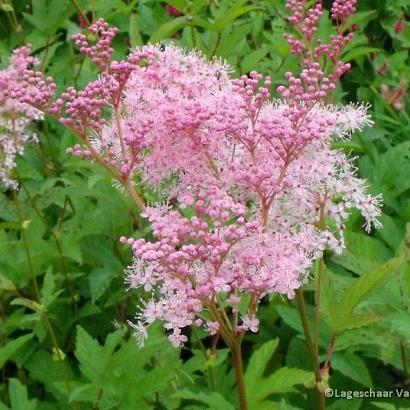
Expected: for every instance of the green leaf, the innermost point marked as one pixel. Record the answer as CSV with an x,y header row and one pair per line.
x,y
385,406
213,400
258,362
167,29
352,366
100,278
108,367
197,5
43,368
392,169
7,351
18,396
290,316
392,233
342,316
6,284
362,253
361,17
359,52
282,381
48,293
355,321
368,283
90,355
399,324
84,393
248,63
134,32
48,15
178,4
232,15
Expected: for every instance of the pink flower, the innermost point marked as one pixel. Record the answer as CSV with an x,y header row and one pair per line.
x,y
172,11
250,323
250,178
15,116
399,25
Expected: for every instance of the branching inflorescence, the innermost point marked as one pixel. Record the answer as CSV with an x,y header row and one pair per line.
x,y
15,116
260,192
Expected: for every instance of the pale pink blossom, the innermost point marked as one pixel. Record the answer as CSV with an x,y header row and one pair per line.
x,y
16,117
255,191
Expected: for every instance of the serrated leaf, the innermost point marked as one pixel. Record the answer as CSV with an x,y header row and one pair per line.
x,y
360,17
368,283
399,324
18,396
248,63
258,362
362,253
362,287
352,366
197,5
232,15
282,381
7,351
213,400
84,393
48,293
359,52
134,32
355,321
6,284
90,355
167,29
100,280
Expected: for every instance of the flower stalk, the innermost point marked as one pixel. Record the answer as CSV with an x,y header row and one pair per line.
x,y
236,351
309,343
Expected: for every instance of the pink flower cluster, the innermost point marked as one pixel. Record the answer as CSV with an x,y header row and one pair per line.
x,y
100,53
260,194
311,50
343,9
15,115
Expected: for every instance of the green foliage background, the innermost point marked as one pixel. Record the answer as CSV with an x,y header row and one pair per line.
x,y
72,348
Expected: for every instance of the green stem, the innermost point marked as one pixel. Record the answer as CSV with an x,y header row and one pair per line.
x,y
240,382
43,313
11,22
11,15
404,359
225,333
308,339
44,60
234,343
129,186
193,35
14,17
211,379
26,246
57,242
218,41
330,351
96,405
80,12
319,280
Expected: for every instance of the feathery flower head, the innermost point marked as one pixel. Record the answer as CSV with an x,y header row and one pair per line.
x,y
15,116
259,192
